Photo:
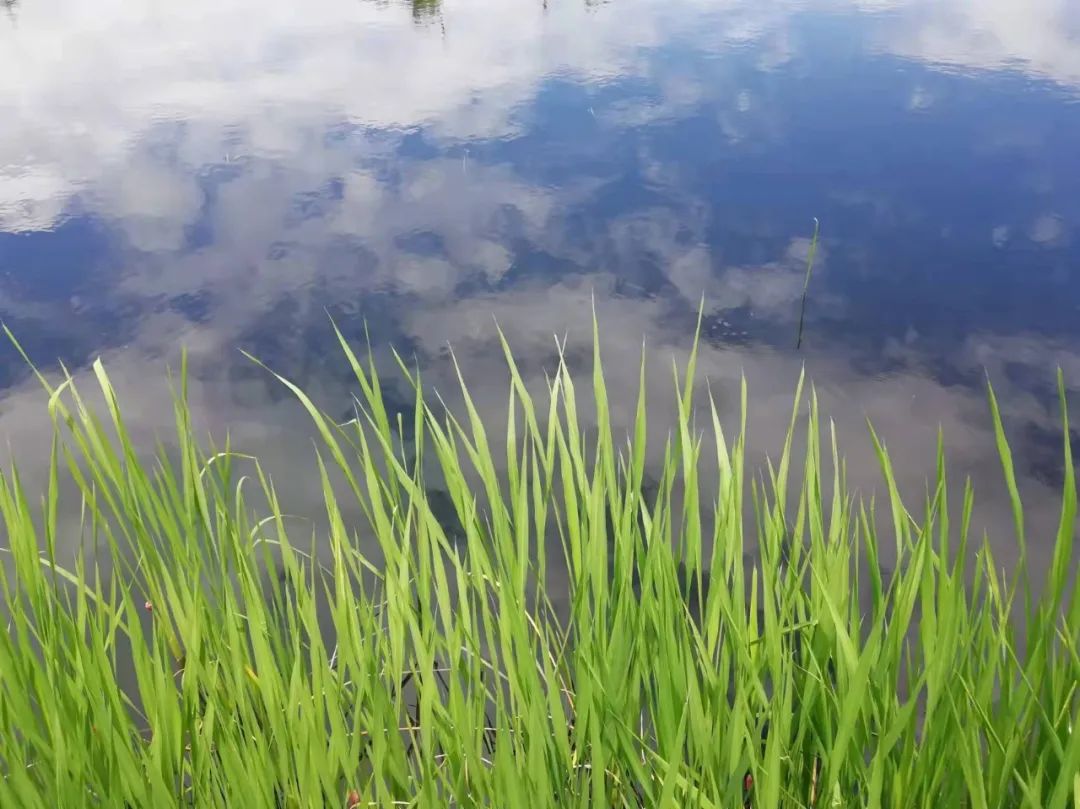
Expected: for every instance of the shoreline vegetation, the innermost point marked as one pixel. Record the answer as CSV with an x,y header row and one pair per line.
x,y
271,668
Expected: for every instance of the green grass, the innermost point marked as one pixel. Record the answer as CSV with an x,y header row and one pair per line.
x,y
545,654
806,282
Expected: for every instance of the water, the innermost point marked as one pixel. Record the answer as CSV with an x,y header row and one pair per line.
x,y
223,175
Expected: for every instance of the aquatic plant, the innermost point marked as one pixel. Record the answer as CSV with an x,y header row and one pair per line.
x,y
203,649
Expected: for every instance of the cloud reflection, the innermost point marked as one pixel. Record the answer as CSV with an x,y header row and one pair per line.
x,y
1039,37
255,165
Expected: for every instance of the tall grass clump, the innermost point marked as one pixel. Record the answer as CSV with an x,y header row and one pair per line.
x,y
203,649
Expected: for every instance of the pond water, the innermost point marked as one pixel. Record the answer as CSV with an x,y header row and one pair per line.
x,y
221,176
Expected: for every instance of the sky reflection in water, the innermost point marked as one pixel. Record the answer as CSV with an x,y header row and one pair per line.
x,y
221,176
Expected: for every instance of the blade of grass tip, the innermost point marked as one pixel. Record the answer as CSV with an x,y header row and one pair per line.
x,y
640,440
416,383
605,454
806,282
689,450
780,477
691,364
901,518
534,432
1061,565
372,391
723,456
1005,455
26,358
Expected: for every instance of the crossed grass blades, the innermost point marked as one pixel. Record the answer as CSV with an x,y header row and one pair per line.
x,y
393,661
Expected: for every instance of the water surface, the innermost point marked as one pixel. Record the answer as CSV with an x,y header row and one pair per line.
x,y
221,176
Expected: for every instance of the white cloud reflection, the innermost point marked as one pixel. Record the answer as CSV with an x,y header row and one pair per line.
x,y
1037,37
90,85
125,109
